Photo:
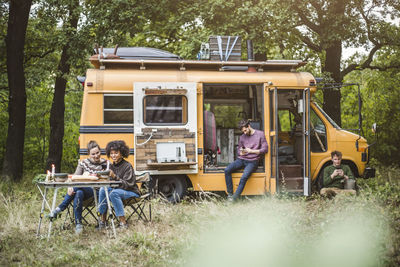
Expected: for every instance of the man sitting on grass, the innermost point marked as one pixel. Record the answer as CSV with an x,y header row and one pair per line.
x,y
336,176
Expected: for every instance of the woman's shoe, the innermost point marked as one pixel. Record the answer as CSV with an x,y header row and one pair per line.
x,y
123,226
78,228
101,225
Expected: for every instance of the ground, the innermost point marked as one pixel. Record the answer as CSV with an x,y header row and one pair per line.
x,y
204,230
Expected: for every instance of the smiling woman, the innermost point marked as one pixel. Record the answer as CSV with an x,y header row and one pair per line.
x,y
89,166
120,170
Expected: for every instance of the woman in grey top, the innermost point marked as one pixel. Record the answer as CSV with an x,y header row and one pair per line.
x,y
88,166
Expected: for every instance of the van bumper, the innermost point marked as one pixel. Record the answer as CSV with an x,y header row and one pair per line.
x,y
369,173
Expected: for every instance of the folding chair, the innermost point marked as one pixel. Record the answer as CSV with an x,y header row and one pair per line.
x,y
88,212
140,206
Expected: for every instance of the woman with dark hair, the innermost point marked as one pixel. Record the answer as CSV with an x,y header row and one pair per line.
x,y
120,170
88,166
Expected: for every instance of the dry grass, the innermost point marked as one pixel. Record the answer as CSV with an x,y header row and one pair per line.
x,y
205,231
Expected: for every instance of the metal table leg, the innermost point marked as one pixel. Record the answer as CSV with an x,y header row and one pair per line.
x,y
96,204
110,212
41,210
53,206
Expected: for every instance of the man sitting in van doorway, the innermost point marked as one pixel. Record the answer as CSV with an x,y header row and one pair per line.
x,y
252,144
338,178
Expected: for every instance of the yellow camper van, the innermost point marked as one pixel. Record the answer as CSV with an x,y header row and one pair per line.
x,y
179,118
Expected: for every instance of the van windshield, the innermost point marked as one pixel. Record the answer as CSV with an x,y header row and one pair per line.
x,y
327,117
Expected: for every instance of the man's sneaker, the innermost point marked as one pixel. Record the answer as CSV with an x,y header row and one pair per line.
x,y
78,228
230,198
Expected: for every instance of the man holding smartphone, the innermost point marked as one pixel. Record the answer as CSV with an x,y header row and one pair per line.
x,y
252,144
337,174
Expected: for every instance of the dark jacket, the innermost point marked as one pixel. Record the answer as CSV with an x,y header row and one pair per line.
x,y
124,173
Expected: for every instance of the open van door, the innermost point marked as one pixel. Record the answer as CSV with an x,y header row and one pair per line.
x,y
306,142
272,131
288,128
165,127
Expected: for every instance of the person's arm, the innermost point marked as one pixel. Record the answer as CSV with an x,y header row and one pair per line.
x,y
126,176
327,179
79,169
348,174
263,147
239,147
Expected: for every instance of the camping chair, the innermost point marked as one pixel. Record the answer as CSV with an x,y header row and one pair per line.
x,y
88,212
140,206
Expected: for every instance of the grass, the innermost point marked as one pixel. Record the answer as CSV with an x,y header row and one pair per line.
x,y
204,230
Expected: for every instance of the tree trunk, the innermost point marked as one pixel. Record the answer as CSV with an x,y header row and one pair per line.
x,y
333,56
58,105
332,96
15,41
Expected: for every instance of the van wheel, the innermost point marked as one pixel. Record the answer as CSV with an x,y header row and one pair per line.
x,y
173,188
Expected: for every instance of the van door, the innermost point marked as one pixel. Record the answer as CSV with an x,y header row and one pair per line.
x,y
272,130
306,143
288,129
165,127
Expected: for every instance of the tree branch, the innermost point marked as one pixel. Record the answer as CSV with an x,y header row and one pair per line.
x,y
384,68
308,41
365,65
39,55
306,21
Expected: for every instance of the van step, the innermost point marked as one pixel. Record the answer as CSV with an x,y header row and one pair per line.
x,y
290,171
291,183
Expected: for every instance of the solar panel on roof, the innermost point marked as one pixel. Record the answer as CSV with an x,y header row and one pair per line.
x,y
141,53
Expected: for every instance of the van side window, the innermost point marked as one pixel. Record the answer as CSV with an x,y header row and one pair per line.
x,y
318,133
118,109
165,110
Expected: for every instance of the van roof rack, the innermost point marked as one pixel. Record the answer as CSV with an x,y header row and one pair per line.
x,y
269,65
152,58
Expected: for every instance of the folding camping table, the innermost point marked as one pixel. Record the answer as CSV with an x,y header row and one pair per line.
x,y
57,185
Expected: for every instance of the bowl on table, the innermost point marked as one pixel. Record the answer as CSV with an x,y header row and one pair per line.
x,y
104,174
60,177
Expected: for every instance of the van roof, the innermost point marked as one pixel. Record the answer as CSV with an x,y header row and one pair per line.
x,y
152,58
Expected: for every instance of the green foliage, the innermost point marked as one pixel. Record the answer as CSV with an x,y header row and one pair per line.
x,y
381,104
41,177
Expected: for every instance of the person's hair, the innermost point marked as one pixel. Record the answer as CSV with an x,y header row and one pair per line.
x,y
243,123
92,144
336,153
117,145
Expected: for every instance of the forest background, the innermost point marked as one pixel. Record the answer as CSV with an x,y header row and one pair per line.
x,y
40,98
45,44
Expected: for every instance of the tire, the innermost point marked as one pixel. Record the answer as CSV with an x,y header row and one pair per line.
x,y
173,188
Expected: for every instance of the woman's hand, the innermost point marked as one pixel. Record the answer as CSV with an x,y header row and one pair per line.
x,y
112,175
70,191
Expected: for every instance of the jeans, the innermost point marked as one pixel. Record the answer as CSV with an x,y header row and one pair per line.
x,y
116,196
81,194
249,168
